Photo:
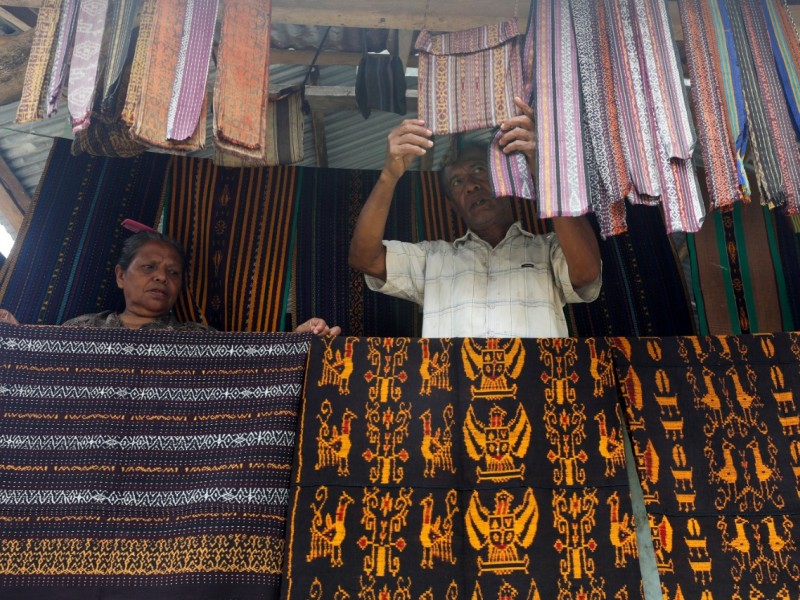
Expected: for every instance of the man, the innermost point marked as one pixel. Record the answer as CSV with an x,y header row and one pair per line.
x,y
497,280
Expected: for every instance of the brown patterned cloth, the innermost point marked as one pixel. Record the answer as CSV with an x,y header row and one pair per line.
x,y
715,429
139,62
463,468
241,88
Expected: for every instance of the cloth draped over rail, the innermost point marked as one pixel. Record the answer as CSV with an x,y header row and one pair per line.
x,y
145,463
62,264
714,426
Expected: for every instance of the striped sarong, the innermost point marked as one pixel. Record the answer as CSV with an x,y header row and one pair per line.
x,y
34,96
241,88
121,22
85,60
189,90
66,31
716,144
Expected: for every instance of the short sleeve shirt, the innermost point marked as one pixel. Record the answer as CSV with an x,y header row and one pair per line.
x,y
470,289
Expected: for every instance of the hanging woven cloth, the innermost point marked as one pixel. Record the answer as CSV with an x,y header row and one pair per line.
x,y
32,100
605,156
85,60
563,187
241,89
58,64
189,90
716,143
121,20
775,150
139,62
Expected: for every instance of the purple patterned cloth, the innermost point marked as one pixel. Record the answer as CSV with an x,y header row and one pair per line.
x,y
85,59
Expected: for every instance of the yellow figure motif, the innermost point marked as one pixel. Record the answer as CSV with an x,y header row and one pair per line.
x,y
435,370
601,367
333,444
437,446
502,531
611,446
328,532
697,547
661,533
622,533
337,367
507,592
387,356
493,364
497,443
436,535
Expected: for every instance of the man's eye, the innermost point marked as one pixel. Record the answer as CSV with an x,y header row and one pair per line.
x,y
454,183
479,169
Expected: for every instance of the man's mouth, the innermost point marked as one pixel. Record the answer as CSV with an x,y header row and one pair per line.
x,y
479,202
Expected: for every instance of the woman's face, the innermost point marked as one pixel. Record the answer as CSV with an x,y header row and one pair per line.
x,y
152,282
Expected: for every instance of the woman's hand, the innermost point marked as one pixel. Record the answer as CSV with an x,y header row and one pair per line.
x,y
318,327
7,317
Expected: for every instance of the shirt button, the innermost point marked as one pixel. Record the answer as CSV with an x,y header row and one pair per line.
x,y
491,307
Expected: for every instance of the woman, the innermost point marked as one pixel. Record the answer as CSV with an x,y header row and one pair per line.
x,y
150,274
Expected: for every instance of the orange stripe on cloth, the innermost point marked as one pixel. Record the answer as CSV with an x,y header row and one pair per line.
x,y
161,65
762,274
139,62
241,89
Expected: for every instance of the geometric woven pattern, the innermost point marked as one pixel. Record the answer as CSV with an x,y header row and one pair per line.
x,y
463,468
145,464
716,433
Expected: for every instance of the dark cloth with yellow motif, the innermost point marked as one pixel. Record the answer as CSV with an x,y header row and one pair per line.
x,y
716,434
460,468
145,464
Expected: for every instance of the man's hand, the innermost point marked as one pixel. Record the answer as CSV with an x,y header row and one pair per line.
x,y
407,141
520,133
318,327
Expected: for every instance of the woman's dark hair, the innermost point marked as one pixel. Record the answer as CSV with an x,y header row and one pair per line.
x,y
133,244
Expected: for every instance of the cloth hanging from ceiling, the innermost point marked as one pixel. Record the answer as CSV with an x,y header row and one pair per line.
x,y
460,468
716,143
62,264
236,226
34,88
787,244
194,57
151,110
714,428
775,152
89,30
741,275
59,63
122,17
329,202
145,463
241,89
139,63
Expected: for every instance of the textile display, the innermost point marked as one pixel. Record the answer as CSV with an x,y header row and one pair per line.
x,y
236,227
716,144
89,30
139,63
59,62
323,284
463,468
145,464
786,50
740,273
775,152
563,187
241,88
194,57
714,429
161,63
380,84
121,24
34,88
605,157
468,79
788,248
62,264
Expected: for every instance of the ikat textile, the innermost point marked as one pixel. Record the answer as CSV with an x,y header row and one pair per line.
x,y
714,428
139,63
62,264
786,50
59,62
460,468
85,61
121,25
34,89
145,464
236,228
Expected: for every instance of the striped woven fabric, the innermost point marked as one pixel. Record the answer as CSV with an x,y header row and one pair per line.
x,y
605,156
786,49
329,202
85,61
463,468
62,264
139,61
236,227
194,57
59,63
788,245
729,80
775,151
34,89
716,144
468,79
713,425
152,110
121,24
562,184
145,464
241,88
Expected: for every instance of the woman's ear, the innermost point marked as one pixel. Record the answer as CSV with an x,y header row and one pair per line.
x,y
120,274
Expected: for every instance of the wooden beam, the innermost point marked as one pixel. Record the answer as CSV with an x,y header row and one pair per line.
x,y
14,200
12,20
304,57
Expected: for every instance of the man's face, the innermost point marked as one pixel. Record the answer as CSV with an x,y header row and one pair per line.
x,y
470,192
